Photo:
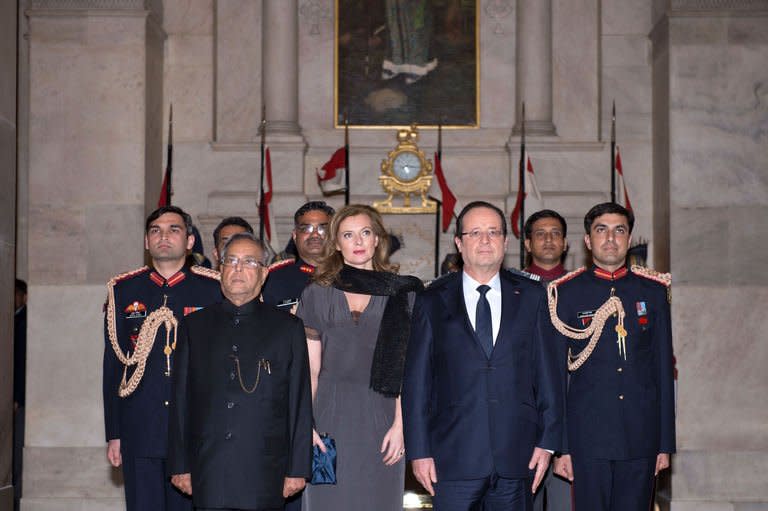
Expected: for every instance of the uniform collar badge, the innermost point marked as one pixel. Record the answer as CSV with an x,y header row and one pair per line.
x,y
175,278
606,275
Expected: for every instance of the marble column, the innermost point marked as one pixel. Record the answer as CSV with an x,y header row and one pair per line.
x,y
534,66
95,89
710,111
280,89
280,55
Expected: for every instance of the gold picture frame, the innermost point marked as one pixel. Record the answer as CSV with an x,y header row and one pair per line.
x,y
398,62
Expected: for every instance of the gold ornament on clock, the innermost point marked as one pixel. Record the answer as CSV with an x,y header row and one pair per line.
x,y
406,171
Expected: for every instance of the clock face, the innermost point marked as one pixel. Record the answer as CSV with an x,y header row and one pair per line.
x,y
406,166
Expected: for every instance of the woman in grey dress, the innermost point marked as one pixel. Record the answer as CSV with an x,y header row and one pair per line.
x,y
356,314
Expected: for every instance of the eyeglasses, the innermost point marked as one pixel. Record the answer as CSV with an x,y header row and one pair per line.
x,y
320,229
492,234
247,262
542,235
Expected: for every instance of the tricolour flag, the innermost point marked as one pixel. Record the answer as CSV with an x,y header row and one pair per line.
x,y
446,195
163,201
266,207
623,195
532,197
331,176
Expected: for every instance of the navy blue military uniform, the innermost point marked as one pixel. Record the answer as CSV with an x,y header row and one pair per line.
x,y
140,420
620,407
554,491
286,280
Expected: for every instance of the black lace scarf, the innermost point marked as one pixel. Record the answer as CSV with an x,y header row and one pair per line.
x,y
389,355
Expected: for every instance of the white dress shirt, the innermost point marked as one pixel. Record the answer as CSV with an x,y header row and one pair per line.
x,y
472,295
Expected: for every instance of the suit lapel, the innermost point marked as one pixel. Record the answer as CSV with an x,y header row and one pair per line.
x,y
510,307
453,297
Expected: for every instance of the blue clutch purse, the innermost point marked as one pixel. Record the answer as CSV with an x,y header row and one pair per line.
x,y
324,463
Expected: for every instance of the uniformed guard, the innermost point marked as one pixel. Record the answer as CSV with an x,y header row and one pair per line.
x,y
143,309
620,405
227,228
288,278
545,241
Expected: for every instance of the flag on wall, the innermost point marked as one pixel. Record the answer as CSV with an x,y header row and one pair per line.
x,y
447,197
331,176
623,198
531,197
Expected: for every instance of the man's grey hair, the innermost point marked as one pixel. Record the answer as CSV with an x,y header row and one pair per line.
x,y
246,236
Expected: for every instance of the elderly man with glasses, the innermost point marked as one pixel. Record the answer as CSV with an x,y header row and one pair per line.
x,y
241,417
288,278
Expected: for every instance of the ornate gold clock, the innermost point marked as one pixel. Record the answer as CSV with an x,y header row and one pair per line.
x,y
406,171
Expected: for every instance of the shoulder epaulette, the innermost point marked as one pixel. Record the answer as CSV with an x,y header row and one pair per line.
x,y
205,272
568,276
122,276
523,273
281,264
662,278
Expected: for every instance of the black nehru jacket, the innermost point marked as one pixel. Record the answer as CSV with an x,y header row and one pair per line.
x,y
239,446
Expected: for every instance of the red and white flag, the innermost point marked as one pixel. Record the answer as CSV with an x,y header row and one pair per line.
x,y
266,207
446,195
532,197
163,200
332,175
621,185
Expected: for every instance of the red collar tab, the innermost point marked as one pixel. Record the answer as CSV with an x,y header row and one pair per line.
x,y
307,268
606,275
175,278
548,275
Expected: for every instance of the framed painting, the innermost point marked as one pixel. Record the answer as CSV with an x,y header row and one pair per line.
x,y
400,62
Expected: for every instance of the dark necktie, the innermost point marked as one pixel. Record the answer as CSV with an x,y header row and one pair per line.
x,y
483,323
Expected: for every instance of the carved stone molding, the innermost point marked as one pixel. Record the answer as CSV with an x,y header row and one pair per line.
x,y
315,12
88,4
718,5
105,7
498,10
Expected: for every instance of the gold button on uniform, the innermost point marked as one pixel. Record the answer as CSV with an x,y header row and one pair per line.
x,y
166,403
619,370
621,396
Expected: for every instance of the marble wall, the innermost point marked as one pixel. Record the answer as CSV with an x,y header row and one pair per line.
x,y
95,149
690,100
711,76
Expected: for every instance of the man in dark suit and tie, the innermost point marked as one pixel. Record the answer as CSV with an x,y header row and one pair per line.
x,y
483,387
240,432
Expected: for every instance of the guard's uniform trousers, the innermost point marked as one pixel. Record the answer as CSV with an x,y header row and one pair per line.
x,y
620,405
553,491
140,420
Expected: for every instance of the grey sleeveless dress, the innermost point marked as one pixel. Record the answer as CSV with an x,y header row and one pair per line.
x,y
346,408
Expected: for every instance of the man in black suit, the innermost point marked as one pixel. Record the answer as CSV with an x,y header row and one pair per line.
x,y
483,392
240,433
